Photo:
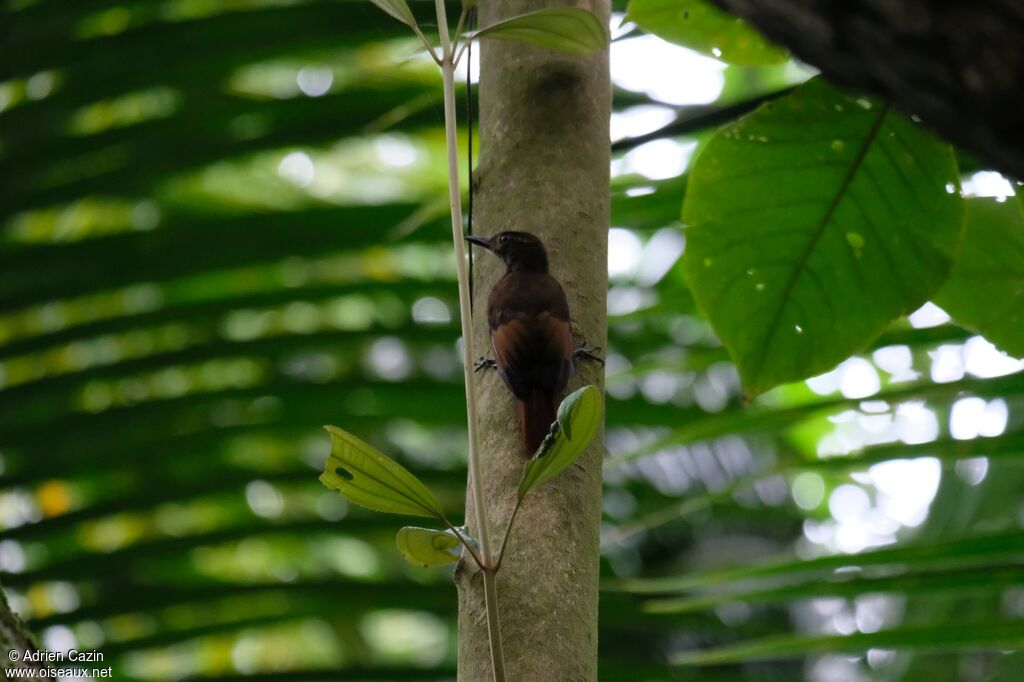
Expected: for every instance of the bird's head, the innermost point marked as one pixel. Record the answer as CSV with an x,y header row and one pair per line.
x,y
519,250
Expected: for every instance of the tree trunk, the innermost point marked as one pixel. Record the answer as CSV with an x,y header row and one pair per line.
x,y
958,64
14,637
544,168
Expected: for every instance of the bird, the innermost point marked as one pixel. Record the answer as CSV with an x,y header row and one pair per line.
x,y
531,333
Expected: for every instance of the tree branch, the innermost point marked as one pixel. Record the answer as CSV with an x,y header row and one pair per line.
x,y
957,64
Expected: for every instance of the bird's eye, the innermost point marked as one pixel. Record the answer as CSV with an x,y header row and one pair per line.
x,y
503,239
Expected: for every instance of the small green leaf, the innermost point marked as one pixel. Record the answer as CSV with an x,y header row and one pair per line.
x,y
427,547
558,451
985,290
565,412
368,477
701,26
566,29
398,9
813,223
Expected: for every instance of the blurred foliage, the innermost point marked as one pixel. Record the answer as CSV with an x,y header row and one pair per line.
x,y
220,229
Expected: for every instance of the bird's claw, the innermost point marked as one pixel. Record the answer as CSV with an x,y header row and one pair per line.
x,y
484,362
584,352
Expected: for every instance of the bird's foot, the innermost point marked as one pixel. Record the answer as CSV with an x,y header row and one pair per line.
x,y
484,362
588,353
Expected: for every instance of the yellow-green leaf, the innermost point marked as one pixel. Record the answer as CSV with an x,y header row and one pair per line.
x,y
427,547
369,478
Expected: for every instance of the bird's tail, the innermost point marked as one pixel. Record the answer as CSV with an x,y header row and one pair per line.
x,y
536,415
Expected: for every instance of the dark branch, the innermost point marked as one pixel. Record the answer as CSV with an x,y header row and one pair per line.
x,y
696,119
958,64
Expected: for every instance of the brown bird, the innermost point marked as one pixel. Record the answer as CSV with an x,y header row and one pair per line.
x,y
530,332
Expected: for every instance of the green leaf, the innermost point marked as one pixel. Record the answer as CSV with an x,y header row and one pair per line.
x,y
566,29
945,639
565,410
701,26
398,9
962,581
764,419
427,547
369,478
974,551
812,224
558,451
985,291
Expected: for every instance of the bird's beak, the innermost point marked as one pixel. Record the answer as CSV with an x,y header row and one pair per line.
x,y
479,241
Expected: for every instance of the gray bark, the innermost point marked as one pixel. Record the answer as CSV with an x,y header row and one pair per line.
x,y
544,168
15,637
958,64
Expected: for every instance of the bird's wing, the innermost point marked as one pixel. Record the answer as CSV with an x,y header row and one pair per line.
x,y
533,352
529,321
510,353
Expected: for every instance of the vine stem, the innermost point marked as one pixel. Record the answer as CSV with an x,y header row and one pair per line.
x,y
466,543
475,476
508,532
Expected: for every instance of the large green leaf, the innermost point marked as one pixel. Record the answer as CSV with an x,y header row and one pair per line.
x,y
944,638
373,480
581,414
427,547
813,223
702,26
566,29
985,290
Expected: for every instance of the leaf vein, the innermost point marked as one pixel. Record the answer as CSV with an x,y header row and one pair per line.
x,y
787,289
